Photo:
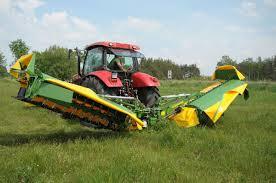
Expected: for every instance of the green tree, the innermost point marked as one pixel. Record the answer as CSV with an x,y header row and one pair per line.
x,y
3,62
259,69
54,61
159,68
226,60
18,48
274,68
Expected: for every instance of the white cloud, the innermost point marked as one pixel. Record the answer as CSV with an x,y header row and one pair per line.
x,y
83,24
139,24
239,29
248,8
4,5
28,5
270,3
134,30
64,26
199,14
20,8
20,21
55,18
203,39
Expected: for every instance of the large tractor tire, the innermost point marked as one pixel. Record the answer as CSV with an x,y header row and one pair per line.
x,y
148,96
98,86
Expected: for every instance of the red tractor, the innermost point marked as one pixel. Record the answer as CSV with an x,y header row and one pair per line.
x,y
97,72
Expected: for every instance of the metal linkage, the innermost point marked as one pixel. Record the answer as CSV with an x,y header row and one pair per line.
x,y
117,97
175,96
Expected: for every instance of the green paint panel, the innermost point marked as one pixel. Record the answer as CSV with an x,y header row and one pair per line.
x,y
226,74
215,95
55,92
31,66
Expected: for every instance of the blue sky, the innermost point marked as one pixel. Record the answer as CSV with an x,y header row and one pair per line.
x,y
187,32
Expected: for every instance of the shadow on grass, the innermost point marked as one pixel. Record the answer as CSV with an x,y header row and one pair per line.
x,y
60,137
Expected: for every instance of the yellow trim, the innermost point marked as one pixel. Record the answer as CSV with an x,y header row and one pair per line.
x,y
92,95
228,67
209,88
163,113
25,59
22,61
29,105
240,76
186,118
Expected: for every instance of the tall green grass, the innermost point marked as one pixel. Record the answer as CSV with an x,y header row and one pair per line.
x,y
37,145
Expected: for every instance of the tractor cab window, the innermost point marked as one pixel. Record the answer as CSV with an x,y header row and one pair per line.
x,y
127,59
127,62
94,60
109,57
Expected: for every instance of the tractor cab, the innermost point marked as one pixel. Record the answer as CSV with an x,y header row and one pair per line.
x,y
101,57
112,68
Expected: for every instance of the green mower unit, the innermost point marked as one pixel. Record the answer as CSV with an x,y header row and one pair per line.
x,y
127,112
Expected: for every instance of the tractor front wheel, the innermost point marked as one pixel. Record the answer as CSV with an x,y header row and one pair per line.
x,y
97,86
148,96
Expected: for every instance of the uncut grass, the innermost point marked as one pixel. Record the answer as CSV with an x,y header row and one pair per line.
x,y
37,145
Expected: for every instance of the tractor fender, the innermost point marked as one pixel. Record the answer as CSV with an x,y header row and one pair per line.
x,y
105,77
141,79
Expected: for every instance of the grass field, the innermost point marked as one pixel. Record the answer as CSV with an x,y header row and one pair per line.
x,y
37,145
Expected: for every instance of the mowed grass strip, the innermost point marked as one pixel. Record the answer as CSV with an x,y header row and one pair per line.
x,y
37,145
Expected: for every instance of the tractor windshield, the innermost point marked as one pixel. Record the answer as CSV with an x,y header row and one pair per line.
x,y
127,53
126,58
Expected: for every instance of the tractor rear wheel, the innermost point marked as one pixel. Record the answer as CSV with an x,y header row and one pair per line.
x,y
148,96
97,86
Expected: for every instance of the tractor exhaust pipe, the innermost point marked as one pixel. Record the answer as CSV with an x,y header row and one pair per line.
x,y
70,51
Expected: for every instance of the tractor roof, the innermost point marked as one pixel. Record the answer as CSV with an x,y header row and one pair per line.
x,y
113,45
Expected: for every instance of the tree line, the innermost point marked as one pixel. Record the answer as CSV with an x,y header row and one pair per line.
x,y
253,69
18,48
54,61
159,68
